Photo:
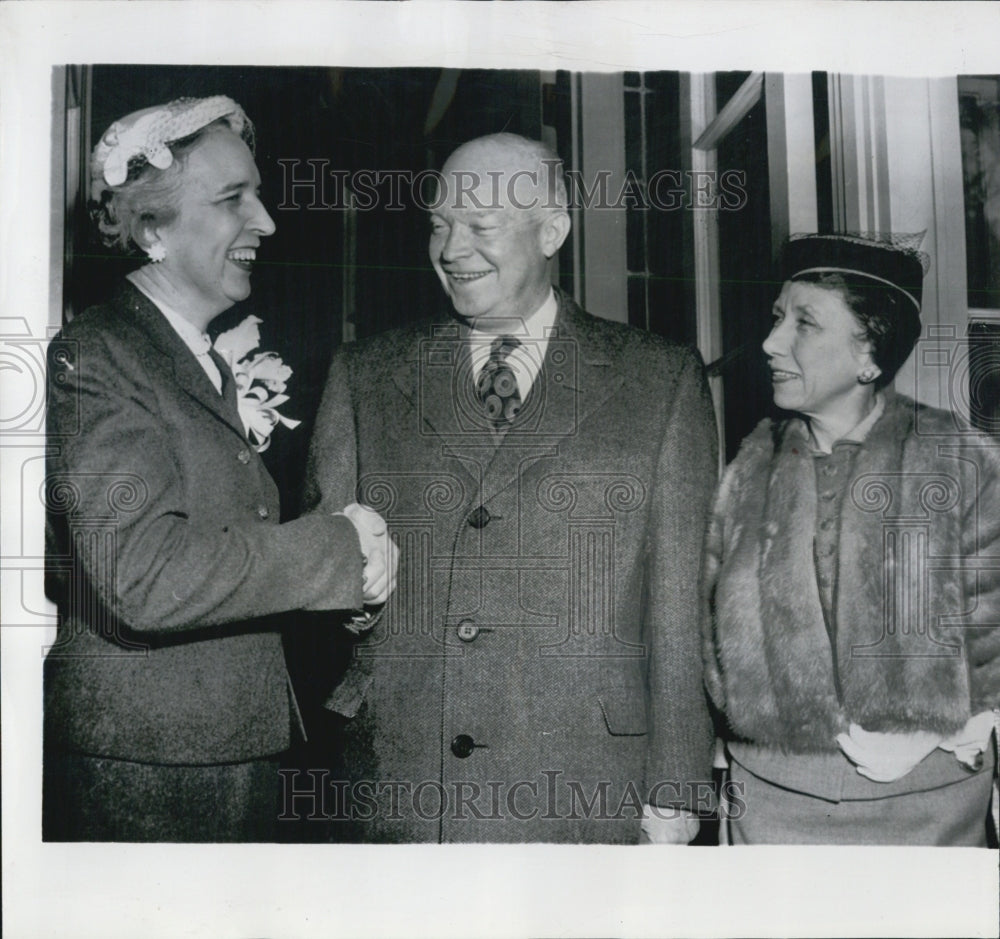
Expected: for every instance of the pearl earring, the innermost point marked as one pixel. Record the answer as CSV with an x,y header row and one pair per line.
x,y
156,252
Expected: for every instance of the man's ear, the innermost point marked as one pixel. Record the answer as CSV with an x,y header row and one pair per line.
x,y
552,232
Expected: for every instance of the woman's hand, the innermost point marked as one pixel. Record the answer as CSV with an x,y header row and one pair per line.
x,y
380,553
886,757
972,740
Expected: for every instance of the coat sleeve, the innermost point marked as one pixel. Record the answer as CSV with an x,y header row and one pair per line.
x,y
712,558
161,567
332,467
981,554
331,481
681,740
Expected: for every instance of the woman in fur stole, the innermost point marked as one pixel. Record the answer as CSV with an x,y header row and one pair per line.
x,y
852,640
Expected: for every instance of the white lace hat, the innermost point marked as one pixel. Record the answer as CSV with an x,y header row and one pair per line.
x,y
145,136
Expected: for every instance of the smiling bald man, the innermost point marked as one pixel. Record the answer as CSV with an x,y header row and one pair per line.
x,y
536,676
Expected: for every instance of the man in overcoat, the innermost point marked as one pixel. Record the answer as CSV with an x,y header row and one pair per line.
x,y
546,473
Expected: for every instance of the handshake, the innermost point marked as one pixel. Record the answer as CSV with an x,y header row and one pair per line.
x,y
381,556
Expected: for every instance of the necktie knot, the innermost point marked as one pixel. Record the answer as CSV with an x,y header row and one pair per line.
x,y
497,385
502,346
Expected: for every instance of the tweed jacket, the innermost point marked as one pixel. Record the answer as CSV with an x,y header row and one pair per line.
x,y
917,600
540,655
165,553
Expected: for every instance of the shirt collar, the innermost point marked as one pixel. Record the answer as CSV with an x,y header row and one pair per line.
x,y
798,428
197,341
530,329
861,430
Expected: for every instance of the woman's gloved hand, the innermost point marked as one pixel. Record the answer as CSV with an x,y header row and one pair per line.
x,y
971,741
886,757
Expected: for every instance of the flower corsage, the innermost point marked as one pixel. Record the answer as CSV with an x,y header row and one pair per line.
x,y
260,381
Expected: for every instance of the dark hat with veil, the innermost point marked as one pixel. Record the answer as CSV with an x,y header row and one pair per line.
x,y
892,261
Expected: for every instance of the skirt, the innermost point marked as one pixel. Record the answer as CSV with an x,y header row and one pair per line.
x,y
88,798
955,814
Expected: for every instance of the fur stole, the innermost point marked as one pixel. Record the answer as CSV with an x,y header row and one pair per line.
x,y
901,598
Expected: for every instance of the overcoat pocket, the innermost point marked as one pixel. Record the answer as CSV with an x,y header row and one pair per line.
x,y
624,714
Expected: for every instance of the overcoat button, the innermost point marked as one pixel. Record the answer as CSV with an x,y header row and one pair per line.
x,y
462,746
243,456
262,511
467,630
480,517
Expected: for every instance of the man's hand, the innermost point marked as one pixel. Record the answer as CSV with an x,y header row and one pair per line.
x,y
380,553
886,757
667,826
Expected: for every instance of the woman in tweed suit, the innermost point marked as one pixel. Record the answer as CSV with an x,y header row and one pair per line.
x,y
166,695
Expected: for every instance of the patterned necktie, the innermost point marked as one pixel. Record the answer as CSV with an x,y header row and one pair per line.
x,y
497,386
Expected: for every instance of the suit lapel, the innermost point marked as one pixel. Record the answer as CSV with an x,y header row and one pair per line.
x,y
577,378
577,373
433,376
181,361
427,377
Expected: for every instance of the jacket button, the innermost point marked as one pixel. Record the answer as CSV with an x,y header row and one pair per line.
x,y
480,517
462,746
467,630
243,456
262,511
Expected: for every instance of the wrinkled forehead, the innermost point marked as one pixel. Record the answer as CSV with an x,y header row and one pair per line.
x,y
493,180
